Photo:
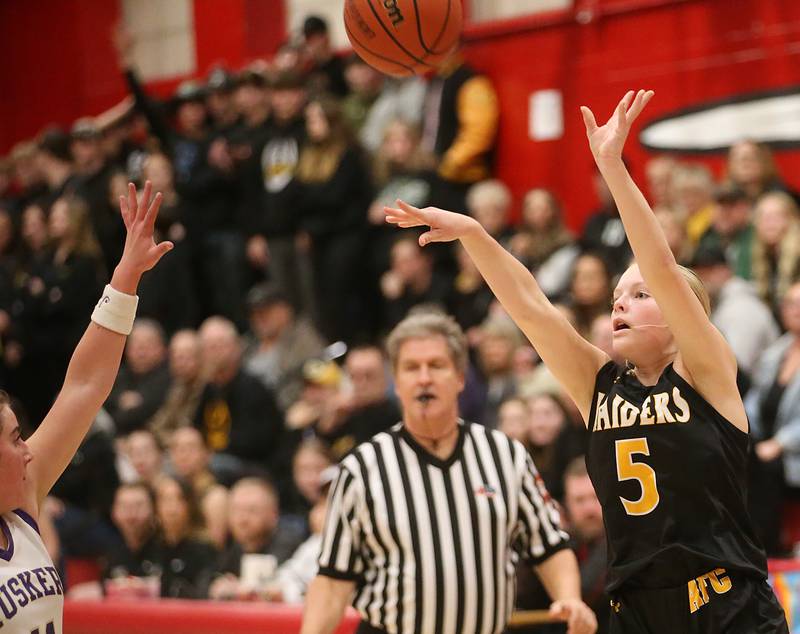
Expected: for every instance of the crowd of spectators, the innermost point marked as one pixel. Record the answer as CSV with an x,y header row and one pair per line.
x,y
256,360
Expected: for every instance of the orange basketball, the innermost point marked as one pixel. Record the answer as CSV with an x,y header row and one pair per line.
x,y
403,37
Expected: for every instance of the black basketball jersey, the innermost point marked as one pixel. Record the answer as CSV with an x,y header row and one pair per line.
x,y
670,473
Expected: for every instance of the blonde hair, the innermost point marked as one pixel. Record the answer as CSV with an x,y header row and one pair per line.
x,y
788,251
418,161
697,287
319,160
80,227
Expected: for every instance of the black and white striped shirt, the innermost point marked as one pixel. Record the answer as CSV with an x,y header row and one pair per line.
x,y
431,544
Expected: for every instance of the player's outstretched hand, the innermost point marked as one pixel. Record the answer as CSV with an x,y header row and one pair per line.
x,y
445,226
608,140
141,253
578,616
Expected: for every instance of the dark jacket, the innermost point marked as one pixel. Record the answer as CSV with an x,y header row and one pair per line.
x,y
242,419
270,192
281,545
152,386
340,203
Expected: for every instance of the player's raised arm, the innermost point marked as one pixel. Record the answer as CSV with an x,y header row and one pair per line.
x,y
571,359
705,357
95,362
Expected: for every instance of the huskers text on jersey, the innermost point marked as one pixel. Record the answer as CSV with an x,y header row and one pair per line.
x,y
27,587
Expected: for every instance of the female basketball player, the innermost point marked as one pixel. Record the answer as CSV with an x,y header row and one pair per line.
x,y
31,593
668,432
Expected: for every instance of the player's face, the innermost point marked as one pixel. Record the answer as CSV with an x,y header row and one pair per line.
x,y
427,381
14,459
637,321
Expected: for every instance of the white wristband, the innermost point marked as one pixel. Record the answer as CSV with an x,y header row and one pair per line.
x,y
116,311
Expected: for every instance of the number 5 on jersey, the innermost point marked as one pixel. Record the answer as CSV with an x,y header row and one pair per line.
x,y
629,469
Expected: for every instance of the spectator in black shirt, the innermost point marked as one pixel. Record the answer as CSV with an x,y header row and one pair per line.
x,y
168,293
470,297
58,297
401,169
604,232
219,100
279,342
499,338
255,530
237,414
310,460
28,179
411,280
326,69
81,499
251,100
269,195
205,180
92,185
554,440
20,351
186,385
587,538
362,410
117,127
132,564
189,457
134,516
54,163
185,557
143,380
333,195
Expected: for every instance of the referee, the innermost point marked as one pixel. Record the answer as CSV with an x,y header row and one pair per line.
x,y
427,520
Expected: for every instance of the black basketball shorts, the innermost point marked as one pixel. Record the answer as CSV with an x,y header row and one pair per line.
x,y
716,602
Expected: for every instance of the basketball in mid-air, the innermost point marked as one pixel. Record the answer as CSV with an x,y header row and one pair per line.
x,y
403,37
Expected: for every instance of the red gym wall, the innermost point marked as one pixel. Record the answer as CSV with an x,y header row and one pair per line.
x,y
689,52
58,61
58,64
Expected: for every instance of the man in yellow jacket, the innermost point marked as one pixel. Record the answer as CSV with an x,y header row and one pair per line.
x,y
460,122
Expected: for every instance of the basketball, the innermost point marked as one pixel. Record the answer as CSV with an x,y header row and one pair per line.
x,y
403,37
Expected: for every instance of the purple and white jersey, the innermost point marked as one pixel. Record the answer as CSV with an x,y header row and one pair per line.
x,y
31,592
